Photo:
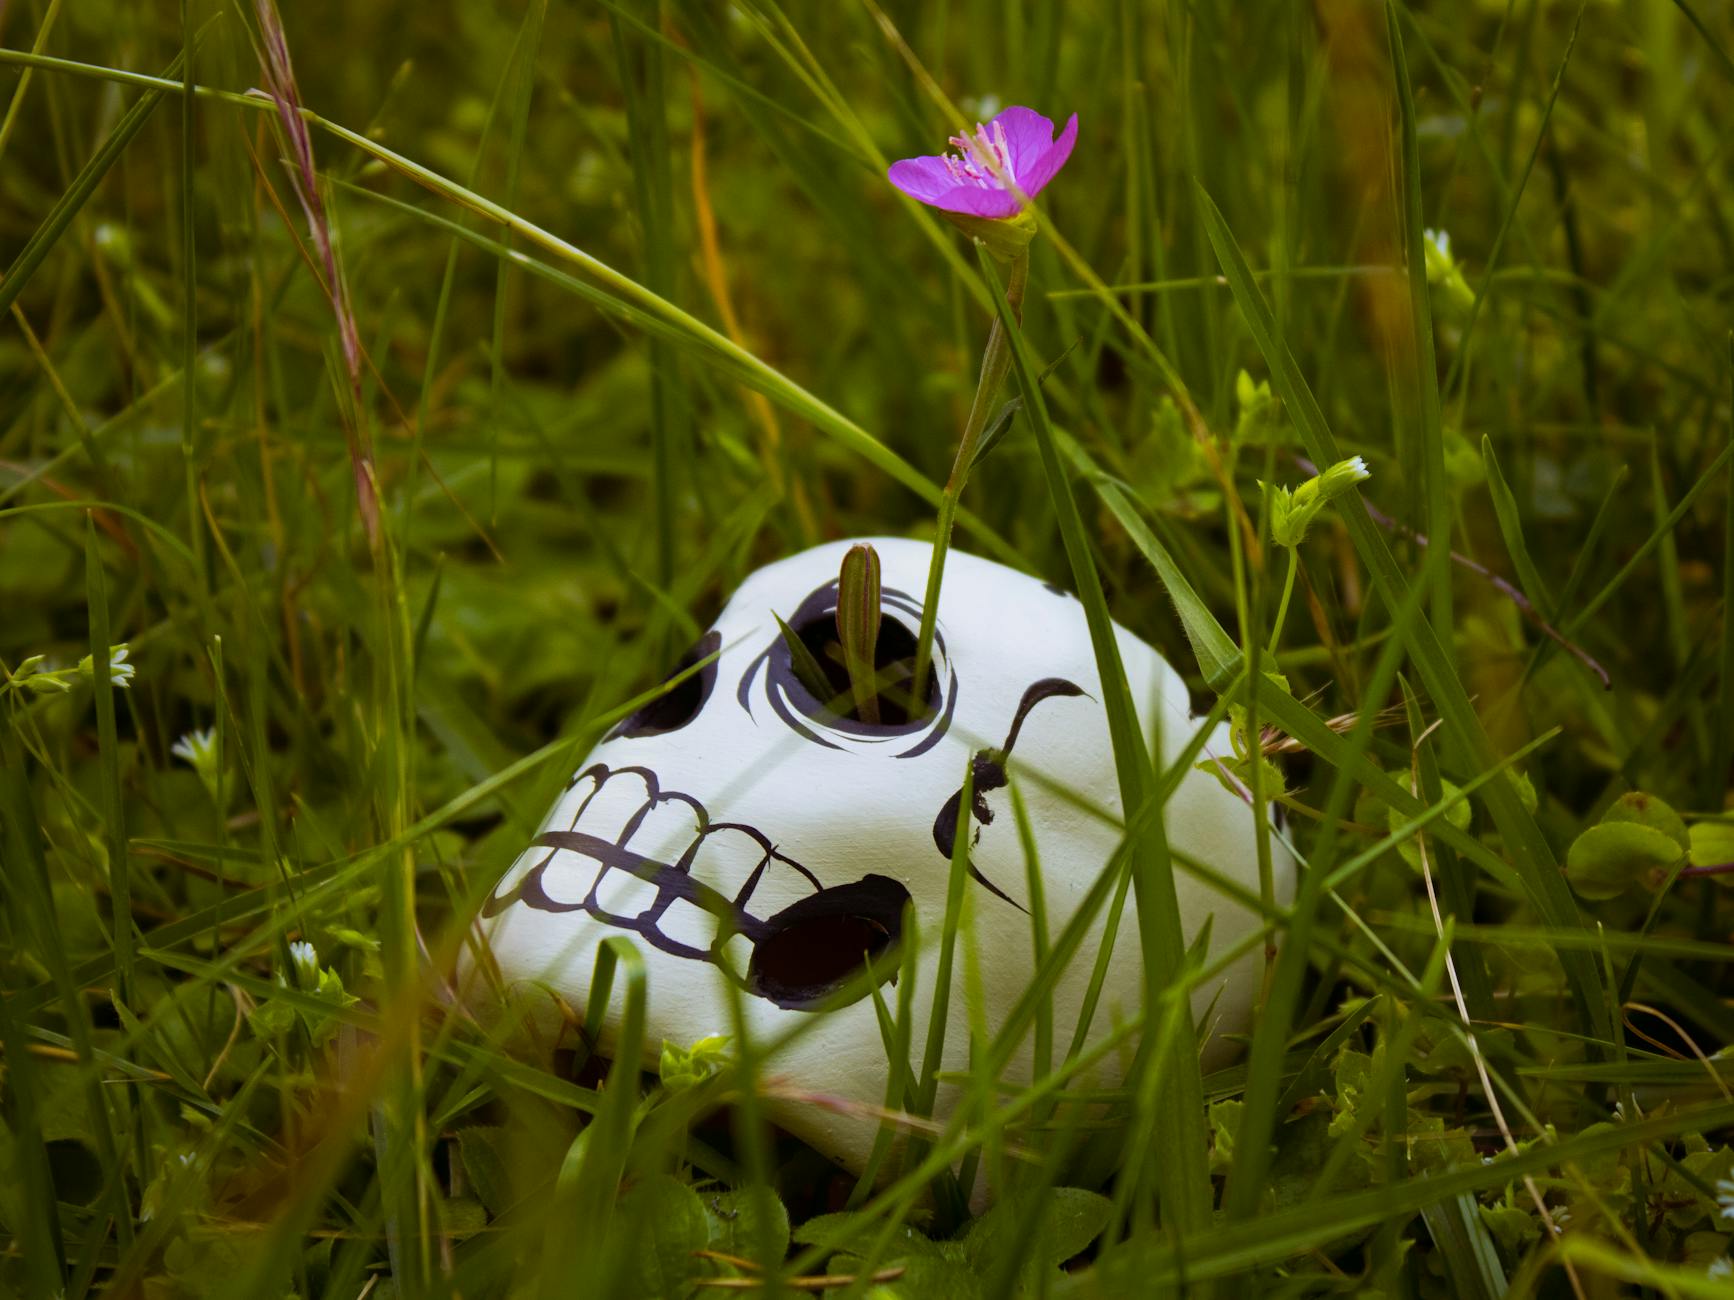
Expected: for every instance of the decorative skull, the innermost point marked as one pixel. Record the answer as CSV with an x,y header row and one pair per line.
x,y
736,828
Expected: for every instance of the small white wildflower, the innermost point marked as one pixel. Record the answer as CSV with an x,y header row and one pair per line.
x,y
1725,1198
305,958
1443,273
120,672
196,747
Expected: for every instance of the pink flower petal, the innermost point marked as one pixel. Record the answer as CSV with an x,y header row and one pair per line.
x,y
1028,136
1034,176
921,178
974,201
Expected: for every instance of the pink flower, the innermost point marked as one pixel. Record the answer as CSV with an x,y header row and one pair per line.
x,y
994,172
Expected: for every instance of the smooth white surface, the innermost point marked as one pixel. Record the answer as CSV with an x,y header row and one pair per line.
x,y
856,809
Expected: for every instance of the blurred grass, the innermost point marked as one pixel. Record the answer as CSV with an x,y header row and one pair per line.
x,y
624,309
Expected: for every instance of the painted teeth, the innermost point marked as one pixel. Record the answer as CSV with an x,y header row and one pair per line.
x,y
686,922
622,799
567,877
663,834
778,886
620,895
558,878
665,830
571,804
726,860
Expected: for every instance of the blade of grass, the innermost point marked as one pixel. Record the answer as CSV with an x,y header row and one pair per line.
x,y
641,78
732,360
577,1242
939,1012
113,816
28,885
1181,1139
523,77
1259,1115
190,298
1321,1220
1510,519
38,1229
1436,564
54,225
1532,857
1718,777
1509,216
623,296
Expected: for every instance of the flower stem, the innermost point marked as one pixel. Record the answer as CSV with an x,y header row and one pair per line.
x,y
1282,605
995,361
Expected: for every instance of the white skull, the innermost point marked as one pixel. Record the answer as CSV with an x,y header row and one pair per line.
x,y
735,824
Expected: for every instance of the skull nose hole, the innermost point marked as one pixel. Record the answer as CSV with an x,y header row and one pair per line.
x,y
680,704
893,666
817,946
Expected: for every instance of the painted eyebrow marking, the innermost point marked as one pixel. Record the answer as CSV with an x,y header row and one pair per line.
x,y
987,770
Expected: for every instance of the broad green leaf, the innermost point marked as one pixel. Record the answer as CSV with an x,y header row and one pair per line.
x,y
906,1240
1713,846
1609,859
744,1221
667,1223
486,1170
1068,1220
1643,809
1071,1220
1458,815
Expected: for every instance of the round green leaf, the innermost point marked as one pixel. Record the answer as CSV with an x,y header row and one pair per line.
x,y
1645,809
668,1223
745,1220
1609,859
1712,846
1457,815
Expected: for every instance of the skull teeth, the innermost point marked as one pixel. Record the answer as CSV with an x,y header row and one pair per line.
x,y
665,829
620,802
648,860
728,860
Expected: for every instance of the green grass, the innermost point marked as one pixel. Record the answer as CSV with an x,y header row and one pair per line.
x,y
619,306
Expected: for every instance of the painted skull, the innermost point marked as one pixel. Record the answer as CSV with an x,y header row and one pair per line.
x,y
737,829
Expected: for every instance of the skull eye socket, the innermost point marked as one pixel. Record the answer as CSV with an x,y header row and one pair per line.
x,y
818,945
893,664
824,712
674,708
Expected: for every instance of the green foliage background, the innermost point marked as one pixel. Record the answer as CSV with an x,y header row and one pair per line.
x,y
635,311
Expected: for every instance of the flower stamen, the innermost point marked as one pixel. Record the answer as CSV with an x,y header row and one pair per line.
x,y
982,159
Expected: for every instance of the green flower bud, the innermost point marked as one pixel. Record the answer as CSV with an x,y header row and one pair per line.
x,y
1443,272
681,1068
1292,512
